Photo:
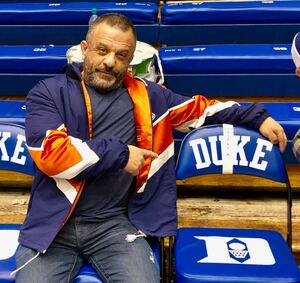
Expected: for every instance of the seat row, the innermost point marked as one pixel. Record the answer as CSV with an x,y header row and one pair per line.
x,y
179,23
201,254
286,113
214,70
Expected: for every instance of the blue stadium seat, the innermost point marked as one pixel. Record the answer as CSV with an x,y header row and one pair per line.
x,y
286,113
233,255
231,70
21,67
15,157
12,112
229,22
67,22
9,234
30,59
14,153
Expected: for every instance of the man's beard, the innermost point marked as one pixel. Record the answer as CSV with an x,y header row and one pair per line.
x,y
92,79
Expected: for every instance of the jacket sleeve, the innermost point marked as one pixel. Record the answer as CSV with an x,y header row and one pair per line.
x,y
60,155
190,113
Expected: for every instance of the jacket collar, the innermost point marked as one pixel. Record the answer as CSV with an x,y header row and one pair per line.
x,y
142,114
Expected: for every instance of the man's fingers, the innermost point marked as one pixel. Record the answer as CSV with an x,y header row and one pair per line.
x,y
282,141
149,153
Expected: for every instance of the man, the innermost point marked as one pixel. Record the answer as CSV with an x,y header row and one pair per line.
x,y
102,144
296,59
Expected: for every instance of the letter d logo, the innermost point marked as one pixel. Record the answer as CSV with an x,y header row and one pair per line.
x,y
237,250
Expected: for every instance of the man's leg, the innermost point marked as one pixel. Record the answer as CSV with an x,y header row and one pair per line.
x,y
59,264
115,258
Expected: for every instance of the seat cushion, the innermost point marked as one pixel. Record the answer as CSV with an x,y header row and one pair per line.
x,y
233,255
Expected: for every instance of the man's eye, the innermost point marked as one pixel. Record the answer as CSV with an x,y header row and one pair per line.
x,y
102,50
122,55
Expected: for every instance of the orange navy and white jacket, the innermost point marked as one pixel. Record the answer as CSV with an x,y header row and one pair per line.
x,y
58,135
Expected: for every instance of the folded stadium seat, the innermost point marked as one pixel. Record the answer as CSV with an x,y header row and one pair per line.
x,y
67,23
21,67
12,112
230,70
233,255
15,157
286,113
229,22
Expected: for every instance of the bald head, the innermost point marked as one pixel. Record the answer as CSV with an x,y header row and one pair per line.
x,y
115,20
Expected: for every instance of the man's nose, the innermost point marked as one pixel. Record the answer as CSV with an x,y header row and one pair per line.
x,y
109,60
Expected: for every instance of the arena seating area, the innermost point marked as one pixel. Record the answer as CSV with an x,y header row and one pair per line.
x,y
237,50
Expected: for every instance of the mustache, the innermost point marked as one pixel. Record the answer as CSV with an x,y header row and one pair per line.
x,y
107,70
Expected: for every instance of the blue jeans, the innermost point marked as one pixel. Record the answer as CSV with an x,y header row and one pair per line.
x,y
102,243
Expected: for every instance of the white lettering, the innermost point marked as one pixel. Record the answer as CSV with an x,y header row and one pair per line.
x,y
259,153
5,136
231,152
239,150
214,152
199,163
19,149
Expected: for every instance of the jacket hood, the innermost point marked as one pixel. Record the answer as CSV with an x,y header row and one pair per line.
x,y
73,70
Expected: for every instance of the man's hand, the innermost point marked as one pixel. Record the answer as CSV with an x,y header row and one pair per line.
x,y
274,132
136,159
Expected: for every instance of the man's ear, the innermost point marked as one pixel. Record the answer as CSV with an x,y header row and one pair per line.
x,y
84,46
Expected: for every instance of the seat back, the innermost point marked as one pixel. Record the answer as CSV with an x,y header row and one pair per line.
x,y
228,149
14,153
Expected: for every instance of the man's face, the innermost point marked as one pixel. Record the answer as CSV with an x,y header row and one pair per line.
x,y
106,57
